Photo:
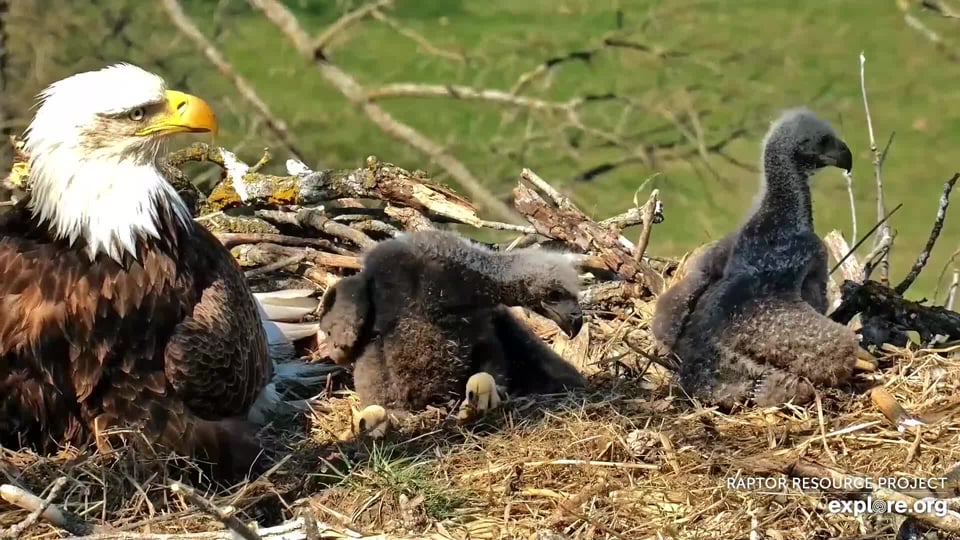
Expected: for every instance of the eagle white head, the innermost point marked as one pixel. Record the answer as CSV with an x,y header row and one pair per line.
x,y
93,146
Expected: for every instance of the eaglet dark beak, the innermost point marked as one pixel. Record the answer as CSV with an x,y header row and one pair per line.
x,y
837,155
567,314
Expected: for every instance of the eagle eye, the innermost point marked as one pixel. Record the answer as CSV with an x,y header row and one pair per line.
x,y
555,295
137,114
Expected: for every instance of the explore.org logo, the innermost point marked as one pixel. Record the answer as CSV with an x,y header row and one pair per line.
x,y
937,507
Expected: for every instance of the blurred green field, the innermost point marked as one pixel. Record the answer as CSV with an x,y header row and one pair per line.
x,y
741,63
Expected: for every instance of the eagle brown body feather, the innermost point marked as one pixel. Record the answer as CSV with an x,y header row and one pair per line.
x,y
169,341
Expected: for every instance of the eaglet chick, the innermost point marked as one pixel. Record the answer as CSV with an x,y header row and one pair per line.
x,y
759,331
427,317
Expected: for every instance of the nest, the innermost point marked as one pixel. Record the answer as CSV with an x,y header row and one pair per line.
x,y
630,458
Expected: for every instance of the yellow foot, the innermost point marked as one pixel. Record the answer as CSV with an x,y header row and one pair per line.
x,y
482,396
373,422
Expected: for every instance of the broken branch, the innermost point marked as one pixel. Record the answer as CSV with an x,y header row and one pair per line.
x,y
43,508
229,520
932,240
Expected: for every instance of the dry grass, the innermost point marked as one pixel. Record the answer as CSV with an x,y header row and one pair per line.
x,y
631,459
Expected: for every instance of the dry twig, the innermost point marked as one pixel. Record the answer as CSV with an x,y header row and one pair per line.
x,y
345,21
932,240
885,234
648,216
42,508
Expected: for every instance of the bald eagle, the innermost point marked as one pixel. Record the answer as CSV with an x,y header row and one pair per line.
x,y
116,309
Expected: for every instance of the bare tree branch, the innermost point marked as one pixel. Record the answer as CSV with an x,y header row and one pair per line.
x,y
932,240
466,93
277,126
885,235
285,21
344,22
928,33
940,8
853,205
586,55
423,42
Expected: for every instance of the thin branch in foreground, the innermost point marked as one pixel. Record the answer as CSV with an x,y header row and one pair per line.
x,y
233,239
230,521
849,266
932,240
876,257
877,171
865,237
649,213
44,508
261,254
853,205
278,265
18,529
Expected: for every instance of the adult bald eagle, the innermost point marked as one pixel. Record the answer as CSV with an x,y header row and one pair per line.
x,y
116,309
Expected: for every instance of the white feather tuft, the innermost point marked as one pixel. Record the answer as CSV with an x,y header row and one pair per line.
x,y
235,171
295,167
288,305
280,313
276,309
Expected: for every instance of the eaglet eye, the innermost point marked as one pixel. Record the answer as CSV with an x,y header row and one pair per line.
x,y
554,295
137,114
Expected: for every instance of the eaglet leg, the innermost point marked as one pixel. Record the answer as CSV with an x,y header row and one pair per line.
x,y
529,365
719,375
791,349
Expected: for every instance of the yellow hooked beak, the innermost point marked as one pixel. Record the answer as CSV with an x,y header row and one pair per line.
x,y
184,114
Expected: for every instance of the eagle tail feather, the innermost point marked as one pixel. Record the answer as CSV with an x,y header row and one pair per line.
x,y
286,305
271,400
281,313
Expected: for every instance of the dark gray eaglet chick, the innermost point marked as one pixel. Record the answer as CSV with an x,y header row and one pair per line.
x,y
759,332
703,269
427,317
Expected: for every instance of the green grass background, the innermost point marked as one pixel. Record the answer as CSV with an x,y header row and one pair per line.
x,y
743,62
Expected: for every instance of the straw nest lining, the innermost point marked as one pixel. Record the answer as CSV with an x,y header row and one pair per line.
x,y
629,459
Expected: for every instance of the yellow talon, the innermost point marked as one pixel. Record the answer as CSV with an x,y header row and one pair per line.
x,y
373,422
481,396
